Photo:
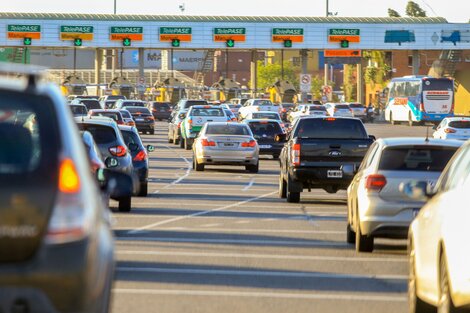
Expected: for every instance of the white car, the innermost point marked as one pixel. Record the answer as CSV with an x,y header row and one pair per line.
x,y
255,105
439,253
358,110
453,128
297,111
339,109
317,110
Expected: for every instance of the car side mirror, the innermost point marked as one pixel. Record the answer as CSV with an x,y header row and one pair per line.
x,y
280,138
133,146
111,162
372,137
417,190
150,148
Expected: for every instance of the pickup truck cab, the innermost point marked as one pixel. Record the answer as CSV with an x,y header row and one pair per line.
x,y
255,105
321,153
197,116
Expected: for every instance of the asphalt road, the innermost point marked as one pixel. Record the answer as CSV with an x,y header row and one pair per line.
x,y
222,241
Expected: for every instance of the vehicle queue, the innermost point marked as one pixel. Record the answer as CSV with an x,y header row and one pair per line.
x,y
410,189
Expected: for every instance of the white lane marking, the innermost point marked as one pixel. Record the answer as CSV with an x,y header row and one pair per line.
x,y
293,243
261,256
210,225
298,274
216,192
171,220
252,181
242,222
276,231
251,294
186,174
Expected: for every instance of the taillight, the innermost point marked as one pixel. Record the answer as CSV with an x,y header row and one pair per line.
x,y
141,156
251,144
295,154
190,123
120,122
131,123
421,107
452,108
69,181
233,119
335,110
154,110
118,151
284,110
375,182
207,143
449,130
179,125
150,118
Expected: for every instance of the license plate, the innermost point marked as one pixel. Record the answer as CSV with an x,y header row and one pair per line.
x,y
139,119
334,174
265,146
415,212
228,144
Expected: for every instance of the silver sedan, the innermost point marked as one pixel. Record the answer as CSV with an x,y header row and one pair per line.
x,y
226,144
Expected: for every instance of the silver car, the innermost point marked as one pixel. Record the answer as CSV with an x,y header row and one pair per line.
x,y
376,207
225,144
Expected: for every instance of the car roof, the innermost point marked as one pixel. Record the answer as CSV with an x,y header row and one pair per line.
x,y
403,141
227,123
458,118
258,120
101,120
208,106
103,110
127,128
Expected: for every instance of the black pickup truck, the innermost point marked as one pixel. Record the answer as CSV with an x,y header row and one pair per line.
x,y
323,153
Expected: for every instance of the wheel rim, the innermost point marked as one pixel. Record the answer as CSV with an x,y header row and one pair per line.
x,y
444,300
412,281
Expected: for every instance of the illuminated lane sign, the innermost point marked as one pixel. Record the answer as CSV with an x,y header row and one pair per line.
x,y
169,34
283,34
76,32
121,33
342,53
24,31
229,35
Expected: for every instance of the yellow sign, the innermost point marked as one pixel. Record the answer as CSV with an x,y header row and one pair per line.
x,y
73,36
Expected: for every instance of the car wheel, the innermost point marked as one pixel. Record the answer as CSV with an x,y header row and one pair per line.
x,y
275,156
415,304
364,243
253,168
143,192
350,235
291,196
182,142
391,119
197,166
170,140
125,204
187,144
410,120
176,140
282,187
445,303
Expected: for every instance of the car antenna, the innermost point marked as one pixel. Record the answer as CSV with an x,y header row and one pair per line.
x,y
427,135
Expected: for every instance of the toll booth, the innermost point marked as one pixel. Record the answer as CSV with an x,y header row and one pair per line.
x,y
121,86
225,89
169,90
73,85
282,91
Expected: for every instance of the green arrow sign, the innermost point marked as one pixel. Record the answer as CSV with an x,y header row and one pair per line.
x,y
344,44
288,43
230,43
175,43
126,42
27,41
77,42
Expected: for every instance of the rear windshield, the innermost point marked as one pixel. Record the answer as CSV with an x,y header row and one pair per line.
x,y
131,137
29,137
113,115
125,114
317,108
208,112
91,104
141,110
133,104
356,105
78,110
267,128
234,106
330,128
416,158
438,84
230,129
115,97
342,106
101,134
288,105
262,102
460,124
161,105
190,103
270,116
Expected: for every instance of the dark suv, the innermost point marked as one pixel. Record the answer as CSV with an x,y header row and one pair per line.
x,y
160,110
55,234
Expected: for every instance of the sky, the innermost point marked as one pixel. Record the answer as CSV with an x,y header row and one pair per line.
x,y
453,10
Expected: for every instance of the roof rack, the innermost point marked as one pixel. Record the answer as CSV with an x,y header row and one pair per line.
x,y
32,72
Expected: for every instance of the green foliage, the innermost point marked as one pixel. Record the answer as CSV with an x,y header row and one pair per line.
x,y
377,71
317,84
414,10
349,84
269,73
393,13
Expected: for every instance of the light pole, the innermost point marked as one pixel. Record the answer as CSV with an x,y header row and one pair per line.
x,y
327,10
116,0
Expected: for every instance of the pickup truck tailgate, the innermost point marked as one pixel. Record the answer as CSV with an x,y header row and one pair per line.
x,y
331,152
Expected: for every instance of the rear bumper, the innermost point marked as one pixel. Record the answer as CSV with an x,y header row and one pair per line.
x,y
274,149
141,170
161,115
228,157
145,125
316,177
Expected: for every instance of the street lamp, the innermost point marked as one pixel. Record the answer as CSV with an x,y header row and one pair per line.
x,y
115,7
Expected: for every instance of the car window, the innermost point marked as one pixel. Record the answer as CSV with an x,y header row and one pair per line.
x,y
207,112
369,156
457,171
262,102
229,129
91,104
416,158
136,110
317,108
101,134
465,124
356,105
130,137
78,109
113,115
330,128
271,116
265,128
342,107
125,114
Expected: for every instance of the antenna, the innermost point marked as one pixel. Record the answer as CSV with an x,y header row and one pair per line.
x,y
427,134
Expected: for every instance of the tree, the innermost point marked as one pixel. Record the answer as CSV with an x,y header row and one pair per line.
x,y
393,13
269,73
414,10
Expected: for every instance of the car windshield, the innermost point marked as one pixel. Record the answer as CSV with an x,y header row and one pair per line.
x,y
265,128
356,105
102,134
125,114
133,103
416,158
270,116
159,105
228,129
207,112
465,124
91,104
78,110
317,108
342,107
262,102
138,110
330,128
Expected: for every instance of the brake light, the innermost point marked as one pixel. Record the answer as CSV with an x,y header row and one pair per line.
x,y
375,182
233,119
251,144
154,110
335,110
141,156
207,143
421,107
118,151
330,119
295,154
120,122
131,123
190,122
179,125
449,131
284,110
69,181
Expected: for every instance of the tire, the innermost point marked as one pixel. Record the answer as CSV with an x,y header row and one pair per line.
x,y
415,304
350,235
176,140
291,196
391,119
187,144
182,143
143,192
410,120
125,204
445,303
282,187
275,156
197,166
364,243
253,168
170,140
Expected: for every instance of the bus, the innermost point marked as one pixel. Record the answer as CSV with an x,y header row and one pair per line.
x,y
419,99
